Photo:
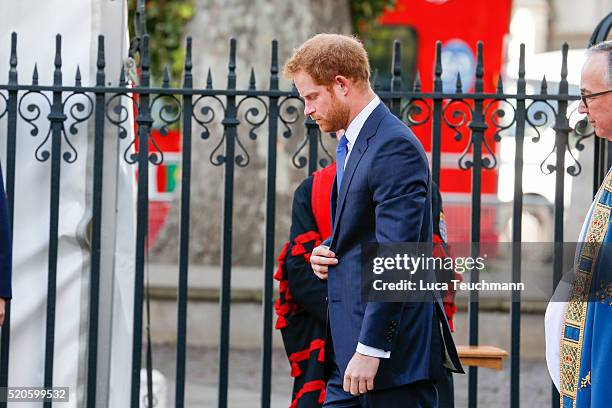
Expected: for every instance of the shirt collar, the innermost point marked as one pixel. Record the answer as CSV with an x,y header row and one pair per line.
x,y
352,132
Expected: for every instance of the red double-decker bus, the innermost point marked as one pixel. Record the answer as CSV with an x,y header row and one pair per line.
x,y
458,25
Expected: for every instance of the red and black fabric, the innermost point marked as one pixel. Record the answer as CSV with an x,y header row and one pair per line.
x,y
302,304
441,250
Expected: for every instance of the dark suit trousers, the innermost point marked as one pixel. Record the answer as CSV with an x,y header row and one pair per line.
x,y
446,392
420,394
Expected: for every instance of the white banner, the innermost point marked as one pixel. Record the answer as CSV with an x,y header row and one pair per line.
x,y
79,22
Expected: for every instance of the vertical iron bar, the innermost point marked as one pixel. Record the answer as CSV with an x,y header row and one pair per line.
x,y
184,234
603,162
140,26
56,118
230,122
375,81
94,296
268,292
144,121
312,133
11,143
562,130
478,127
436,129
396,79
517,217
598,166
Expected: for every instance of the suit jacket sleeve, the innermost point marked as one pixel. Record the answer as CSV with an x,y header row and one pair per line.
x,y
398,179
305,287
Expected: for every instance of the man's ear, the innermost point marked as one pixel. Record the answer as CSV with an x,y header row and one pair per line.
x,y
343,84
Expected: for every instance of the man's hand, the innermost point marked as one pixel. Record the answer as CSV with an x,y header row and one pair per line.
x,y
2,306
320,259
360,373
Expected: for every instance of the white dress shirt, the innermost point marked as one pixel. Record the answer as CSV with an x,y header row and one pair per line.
x,y
353,129
352,132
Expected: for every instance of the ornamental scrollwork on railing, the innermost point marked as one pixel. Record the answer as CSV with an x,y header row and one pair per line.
x,y
541,113
31,112
457,114
538,114
205,114
217,159
79,111
118,114
166,115
581,130
255,115
416,112
498,115
323,162
3,105
298,159
501,115
289,114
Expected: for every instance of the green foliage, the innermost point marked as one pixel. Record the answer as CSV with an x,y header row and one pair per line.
x,y
378,40
365,12
379,44
166,20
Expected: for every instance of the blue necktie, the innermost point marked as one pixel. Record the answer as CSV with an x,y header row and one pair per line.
x,y
341,152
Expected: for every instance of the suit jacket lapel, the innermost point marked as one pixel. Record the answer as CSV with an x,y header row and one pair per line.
x,y
367,131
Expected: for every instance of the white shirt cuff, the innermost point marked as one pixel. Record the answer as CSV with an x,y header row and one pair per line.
x,y
372,352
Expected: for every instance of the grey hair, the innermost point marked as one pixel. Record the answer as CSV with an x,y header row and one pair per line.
x,y
604,47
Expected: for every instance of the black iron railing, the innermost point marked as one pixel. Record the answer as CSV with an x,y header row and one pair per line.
x,y
470,116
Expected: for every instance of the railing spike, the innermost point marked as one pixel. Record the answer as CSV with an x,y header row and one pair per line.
x,y
166,78
35,75
438,68
209,81
13,60
544,86
274,66
77,78
458,84
252,80
417,82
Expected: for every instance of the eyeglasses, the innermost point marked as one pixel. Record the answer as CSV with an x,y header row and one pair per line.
x,y
584,97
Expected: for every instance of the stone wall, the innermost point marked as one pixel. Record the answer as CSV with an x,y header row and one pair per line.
x,y
254,24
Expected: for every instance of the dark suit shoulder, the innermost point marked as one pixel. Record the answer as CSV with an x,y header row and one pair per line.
x,y
394,134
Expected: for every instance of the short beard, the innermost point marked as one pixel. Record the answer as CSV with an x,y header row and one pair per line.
x,y
337,117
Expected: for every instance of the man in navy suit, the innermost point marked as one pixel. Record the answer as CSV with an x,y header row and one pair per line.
x,y
384,354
